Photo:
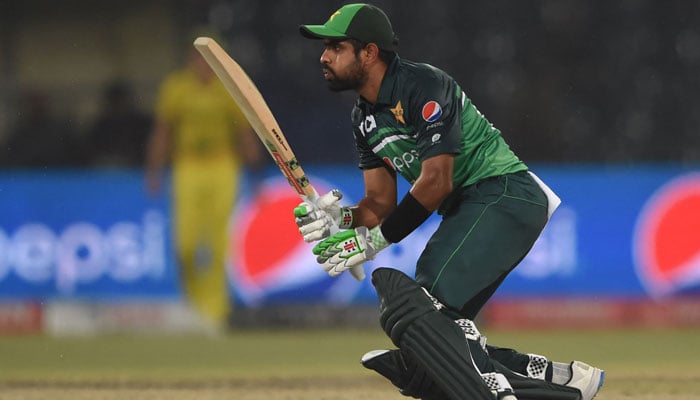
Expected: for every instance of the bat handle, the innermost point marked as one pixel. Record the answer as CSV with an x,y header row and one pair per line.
x,y
358,272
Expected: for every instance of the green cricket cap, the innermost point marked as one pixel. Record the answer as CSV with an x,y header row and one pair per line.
x,y
360,21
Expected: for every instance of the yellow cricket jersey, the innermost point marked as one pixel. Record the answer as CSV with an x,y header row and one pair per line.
x,y
204,122
203,116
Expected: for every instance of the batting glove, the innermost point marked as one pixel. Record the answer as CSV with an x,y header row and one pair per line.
x,y
316,220
349,248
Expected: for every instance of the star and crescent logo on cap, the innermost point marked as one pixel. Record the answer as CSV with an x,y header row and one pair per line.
x,y
398,112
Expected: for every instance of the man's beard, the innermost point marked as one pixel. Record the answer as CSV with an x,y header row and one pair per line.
x,y
354,80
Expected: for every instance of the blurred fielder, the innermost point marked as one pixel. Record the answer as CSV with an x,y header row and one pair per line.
x,y
201,131
412,119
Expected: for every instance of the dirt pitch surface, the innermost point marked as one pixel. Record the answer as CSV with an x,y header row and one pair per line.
x,y
318,364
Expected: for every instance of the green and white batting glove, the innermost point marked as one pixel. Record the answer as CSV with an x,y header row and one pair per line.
x,y
317,220
349,248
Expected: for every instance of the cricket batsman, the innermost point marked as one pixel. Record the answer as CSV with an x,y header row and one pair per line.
x,y
415,121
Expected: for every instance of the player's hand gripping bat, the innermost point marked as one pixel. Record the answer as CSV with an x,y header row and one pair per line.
x,y
255,109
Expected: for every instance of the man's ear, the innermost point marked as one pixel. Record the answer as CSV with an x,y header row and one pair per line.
x,y
371,52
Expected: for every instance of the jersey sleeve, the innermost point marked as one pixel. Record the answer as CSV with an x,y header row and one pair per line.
x,y
434,112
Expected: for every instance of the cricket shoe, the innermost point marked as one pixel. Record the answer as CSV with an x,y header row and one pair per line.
x,y
585,378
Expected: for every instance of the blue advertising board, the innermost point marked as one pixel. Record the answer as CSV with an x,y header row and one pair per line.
x,y
85,235
621,232
611,237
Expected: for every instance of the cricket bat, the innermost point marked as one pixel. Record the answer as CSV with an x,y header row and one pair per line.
x,y
258,114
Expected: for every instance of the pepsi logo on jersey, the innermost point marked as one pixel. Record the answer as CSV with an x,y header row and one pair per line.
x,y
432,111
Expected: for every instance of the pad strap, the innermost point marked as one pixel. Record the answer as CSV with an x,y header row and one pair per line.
x,y
537,366
498,384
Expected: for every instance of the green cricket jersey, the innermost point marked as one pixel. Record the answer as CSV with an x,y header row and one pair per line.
x,y
422,112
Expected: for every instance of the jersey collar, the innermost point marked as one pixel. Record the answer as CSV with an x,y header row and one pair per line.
x,y
387,87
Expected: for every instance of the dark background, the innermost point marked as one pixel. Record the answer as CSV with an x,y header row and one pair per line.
x,y
615,82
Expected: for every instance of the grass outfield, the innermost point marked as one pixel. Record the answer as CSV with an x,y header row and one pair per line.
x,y
313,364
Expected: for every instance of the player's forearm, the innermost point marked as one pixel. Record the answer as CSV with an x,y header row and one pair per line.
x,y
379,200
430,193
370,212
435,181
427,193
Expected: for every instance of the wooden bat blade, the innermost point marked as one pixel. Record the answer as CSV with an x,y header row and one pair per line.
x,y
256,111
258,114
